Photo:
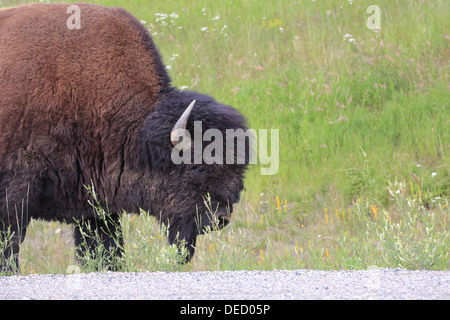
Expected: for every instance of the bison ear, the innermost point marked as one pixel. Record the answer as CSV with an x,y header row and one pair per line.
x,y
158,156
155,141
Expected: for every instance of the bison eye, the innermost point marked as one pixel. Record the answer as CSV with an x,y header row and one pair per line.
x,y
199,170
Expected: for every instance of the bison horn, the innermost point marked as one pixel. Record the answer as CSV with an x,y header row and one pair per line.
x,y
180,125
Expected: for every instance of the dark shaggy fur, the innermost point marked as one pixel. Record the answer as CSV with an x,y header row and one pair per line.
x,y
95,106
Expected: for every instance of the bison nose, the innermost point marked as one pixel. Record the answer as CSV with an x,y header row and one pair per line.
x,y
223,218
223,222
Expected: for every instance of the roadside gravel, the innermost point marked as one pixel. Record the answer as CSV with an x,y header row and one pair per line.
x,y
268,285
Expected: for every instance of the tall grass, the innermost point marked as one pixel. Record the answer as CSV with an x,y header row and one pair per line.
x,y
411,232
353,116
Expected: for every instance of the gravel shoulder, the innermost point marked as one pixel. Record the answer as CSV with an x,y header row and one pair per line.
x,y
229,285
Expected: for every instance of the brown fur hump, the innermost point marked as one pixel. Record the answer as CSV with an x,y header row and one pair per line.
x,y
72,98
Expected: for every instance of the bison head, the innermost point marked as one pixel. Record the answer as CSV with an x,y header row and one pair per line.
x,y
196,194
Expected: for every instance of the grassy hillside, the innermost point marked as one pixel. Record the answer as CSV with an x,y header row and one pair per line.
x,y
364,132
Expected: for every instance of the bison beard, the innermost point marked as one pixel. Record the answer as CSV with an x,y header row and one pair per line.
x,y
94,106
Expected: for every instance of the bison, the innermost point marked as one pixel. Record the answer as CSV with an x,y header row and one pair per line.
x,y
94,106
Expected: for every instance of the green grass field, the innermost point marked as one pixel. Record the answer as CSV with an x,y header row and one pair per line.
x,y
364,134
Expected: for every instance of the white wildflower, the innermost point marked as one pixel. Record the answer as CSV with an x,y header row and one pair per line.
x,y
173,56
350,38
161,16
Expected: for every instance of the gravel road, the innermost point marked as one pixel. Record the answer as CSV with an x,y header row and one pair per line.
x,y
268,285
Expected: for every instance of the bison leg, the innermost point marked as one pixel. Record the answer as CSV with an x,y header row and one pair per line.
x,y
185,241
99,243
15,212
10,239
